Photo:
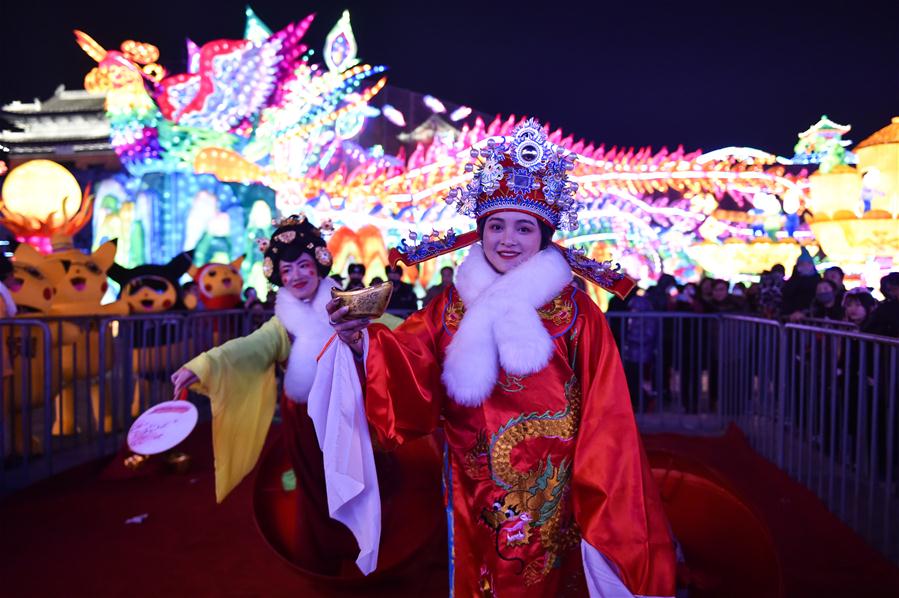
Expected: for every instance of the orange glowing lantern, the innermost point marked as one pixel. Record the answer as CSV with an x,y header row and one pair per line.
x,y
41,199
365,246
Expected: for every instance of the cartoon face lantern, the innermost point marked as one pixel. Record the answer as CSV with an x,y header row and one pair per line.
x,y
85,275
150,288
34,280
149,294
219,285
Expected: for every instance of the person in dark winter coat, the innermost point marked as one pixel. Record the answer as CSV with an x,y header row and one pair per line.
x,y
858,305
884,319
799,290
835,275
356,273
403,301
827,304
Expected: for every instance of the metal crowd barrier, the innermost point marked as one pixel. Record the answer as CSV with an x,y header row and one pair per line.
x,y
818,402
26,392
840,426
829,324
672,365
72,387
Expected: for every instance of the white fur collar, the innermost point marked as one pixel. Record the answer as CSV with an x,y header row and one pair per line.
x,y
308,325
501,326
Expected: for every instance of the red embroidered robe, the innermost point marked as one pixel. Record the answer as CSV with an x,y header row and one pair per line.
x,y
546,460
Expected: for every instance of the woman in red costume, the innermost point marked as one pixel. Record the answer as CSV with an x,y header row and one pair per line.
x,y
548,488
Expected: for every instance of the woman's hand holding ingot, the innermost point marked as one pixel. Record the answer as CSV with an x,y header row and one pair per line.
x,y
182,379
349,331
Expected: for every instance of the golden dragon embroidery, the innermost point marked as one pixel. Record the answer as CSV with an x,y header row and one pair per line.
x,y
533,498
559,311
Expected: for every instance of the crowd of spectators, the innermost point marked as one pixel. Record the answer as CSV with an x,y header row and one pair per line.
x,y
805,297
665,357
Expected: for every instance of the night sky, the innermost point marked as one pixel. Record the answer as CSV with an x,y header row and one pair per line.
x,y
705,75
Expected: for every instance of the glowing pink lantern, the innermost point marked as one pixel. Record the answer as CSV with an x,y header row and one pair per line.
x,y
460,113
393,115
434,105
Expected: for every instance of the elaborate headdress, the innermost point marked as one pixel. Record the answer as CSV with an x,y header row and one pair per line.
x,y
526,173
523,172
294,236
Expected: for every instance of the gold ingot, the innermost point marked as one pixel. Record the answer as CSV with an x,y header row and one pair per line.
x,y
370,302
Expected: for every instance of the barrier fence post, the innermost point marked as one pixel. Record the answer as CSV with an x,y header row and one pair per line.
x,y
875,429
102,376
862,412
781,395
47,445
890,495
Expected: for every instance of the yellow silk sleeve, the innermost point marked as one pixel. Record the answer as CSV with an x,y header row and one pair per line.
x,y
239,379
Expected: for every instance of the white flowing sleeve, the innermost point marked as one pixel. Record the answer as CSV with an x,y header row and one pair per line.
x,y
602,581
338,415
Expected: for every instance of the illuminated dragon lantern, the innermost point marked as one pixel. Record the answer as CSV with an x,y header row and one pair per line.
x,y
259,100
251,97
257,110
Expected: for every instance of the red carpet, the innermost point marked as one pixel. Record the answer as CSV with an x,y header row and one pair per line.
x,y
68,537
818,555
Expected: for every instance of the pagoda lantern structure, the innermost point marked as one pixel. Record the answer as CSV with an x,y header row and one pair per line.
x,y
823,144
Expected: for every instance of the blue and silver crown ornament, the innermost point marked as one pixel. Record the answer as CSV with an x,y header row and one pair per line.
x,y
522,171
605,273
420,248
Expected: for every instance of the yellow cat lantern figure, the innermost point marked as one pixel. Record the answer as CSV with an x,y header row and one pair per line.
x,y
149,294
79,294
81,290
34,280
150,290
219,285
33,286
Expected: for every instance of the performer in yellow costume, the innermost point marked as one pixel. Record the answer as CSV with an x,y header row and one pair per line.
x,y
335,474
